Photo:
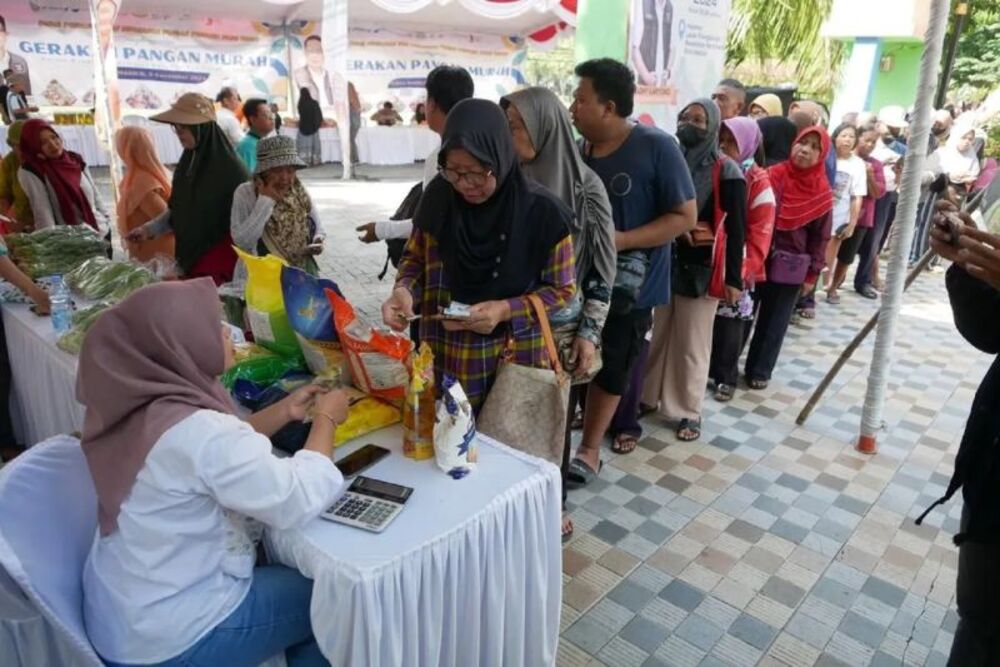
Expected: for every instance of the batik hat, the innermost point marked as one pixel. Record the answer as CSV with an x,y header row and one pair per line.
x,y
277,151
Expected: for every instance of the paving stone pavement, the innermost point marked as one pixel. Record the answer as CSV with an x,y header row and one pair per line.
x,y
764,543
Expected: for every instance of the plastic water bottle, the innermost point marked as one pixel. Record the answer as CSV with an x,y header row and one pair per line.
x,y
62,306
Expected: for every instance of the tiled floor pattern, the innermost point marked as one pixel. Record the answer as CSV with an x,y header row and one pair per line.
x,y
770,544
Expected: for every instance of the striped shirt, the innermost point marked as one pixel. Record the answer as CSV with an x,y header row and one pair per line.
x,y
473,358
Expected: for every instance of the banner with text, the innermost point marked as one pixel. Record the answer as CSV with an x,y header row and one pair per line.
x,y
677,49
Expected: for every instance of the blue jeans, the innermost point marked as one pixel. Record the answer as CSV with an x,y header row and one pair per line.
x,y
273,618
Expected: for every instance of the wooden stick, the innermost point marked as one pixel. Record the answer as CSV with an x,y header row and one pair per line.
x,y
856,343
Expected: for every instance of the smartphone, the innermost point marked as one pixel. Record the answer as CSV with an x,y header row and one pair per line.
x,y
360,460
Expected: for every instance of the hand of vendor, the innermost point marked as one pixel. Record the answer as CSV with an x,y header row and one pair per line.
x,y
41,299
398,310
297,404
483,318
332,405
367,231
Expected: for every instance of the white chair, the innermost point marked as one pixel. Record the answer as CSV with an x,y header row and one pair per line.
x,y
48,517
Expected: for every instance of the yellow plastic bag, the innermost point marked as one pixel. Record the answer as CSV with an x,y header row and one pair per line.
x,y
366,415
266,305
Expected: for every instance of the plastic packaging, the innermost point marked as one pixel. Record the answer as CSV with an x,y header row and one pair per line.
x,y
455,446
418,408
262,370
102,278
57,250
62,307
375,359
266,305
310,315
72,340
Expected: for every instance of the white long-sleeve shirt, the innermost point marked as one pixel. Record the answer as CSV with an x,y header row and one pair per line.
x,y
45,206
182,558
401,229
248,218
230,125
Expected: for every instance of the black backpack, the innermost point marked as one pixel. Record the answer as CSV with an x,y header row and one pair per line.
x,y
405,211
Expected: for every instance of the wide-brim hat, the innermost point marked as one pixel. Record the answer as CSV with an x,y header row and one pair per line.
x,y
277,151
189,109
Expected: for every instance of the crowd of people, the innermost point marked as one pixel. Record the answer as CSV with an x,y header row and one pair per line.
x,y
658,260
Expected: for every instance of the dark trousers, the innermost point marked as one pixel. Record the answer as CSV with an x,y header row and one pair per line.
x,y
777,304
873,243
626,419
7,436
577,396
977,639
729,337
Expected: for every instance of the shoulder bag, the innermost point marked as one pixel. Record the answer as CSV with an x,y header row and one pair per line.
x,y
526,407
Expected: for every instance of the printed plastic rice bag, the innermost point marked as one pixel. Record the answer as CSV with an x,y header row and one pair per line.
x,y
266,305
455,444
366,415
310,315
375,359
261,369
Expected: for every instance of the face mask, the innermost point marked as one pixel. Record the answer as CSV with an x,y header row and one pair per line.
x,y
690,136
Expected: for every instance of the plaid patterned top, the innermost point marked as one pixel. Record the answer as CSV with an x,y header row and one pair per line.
x,y
470,357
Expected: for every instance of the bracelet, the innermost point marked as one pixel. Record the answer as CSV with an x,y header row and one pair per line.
x,y
331,419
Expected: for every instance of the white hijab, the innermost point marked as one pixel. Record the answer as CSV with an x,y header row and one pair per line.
x,y
959,164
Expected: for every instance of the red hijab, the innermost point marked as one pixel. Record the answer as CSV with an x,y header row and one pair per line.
x,y
63,173
803,194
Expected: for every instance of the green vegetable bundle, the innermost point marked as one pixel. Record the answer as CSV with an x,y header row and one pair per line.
x,y
101,278
72,340
54,251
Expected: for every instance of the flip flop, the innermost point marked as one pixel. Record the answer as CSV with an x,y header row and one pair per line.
x,y
807,313
691,426
580,474
618,444
724,392
756,384
833,299
868,292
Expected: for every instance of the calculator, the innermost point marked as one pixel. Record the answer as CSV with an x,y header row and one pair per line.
x,y
369,503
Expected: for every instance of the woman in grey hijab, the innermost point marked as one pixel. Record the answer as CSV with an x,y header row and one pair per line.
x,y
543,139
707,268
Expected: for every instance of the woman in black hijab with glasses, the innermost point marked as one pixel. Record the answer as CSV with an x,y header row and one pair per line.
x,y
484,236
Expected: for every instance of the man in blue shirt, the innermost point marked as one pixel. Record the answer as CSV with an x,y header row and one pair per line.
x,y
652,202
260,121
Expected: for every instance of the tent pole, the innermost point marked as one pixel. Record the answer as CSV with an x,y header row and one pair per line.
x,y
909,194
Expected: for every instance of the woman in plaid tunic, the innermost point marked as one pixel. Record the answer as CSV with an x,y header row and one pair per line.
x,y
487,236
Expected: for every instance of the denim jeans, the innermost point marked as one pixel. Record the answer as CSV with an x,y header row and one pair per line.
x,y
273,618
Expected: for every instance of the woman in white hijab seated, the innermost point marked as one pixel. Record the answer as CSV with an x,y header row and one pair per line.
x,y
958,159
185,488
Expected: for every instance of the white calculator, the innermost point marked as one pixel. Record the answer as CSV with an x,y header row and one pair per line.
x,y
369,503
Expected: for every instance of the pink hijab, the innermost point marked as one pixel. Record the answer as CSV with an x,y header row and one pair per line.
x,y
147,364
747,133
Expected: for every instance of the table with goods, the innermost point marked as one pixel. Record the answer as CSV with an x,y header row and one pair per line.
x,y
468,572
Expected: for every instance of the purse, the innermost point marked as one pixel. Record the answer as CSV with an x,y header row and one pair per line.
x,y
702,236
788,268
526,407
690,279
631,267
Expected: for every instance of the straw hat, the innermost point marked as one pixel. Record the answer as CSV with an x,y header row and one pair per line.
x,y
277,151
189,109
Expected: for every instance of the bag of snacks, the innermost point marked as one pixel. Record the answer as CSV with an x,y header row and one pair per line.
x,y
266,305
418,409
310,315
375,359
455,446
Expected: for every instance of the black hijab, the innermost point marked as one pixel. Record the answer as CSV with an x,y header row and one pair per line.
x,y
310,114
201,198
779,134
497,249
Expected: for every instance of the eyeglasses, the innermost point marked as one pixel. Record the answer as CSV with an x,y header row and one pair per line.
x,y
476,179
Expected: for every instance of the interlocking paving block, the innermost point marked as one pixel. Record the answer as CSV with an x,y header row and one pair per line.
x,y
700,632
589,635
753,631
631,595
682,594
882,590
644,633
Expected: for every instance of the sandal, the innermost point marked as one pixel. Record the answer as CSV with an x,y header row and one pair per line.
x,y
868,292
624,443
757,385
833,299
724,392
693,428
579,474
567,528
807,313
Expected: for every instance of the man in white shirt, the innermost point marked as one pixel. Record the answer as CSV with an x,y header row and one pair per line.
x,y
652,35
229,101
17,102
11,61
446,87
313,74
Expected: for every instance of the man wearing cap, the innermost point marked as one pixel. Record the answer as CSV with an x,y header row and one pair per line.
x,y
201,198
273,214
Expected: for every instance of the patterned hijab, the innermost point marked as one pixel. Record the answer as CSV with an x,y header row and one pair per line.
x,y
287,233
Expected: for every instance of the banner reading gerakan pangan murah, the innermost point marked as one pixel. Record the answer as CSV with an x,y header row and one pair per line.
x,y
159,57
677,49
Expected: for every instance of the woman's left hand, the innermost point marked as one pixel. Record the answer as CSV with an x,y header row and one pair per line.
x,y
297,403
582,354
315,247
733,295
483,318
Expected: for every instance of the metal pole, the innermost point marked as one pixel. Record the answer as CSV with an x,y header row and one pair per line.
x,y
961,14
906,214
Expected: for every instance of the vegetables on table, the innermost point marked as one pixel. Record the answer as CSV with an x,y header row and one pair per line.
x,y
57,250
102,278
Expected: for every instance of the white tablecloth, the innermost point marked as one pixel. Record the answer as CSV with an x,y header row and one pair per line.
x,y
395,145
44,377
468,574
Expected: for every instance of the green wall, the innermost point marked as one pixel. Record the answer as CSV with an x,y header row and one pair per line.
x,y
601,29
899,85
